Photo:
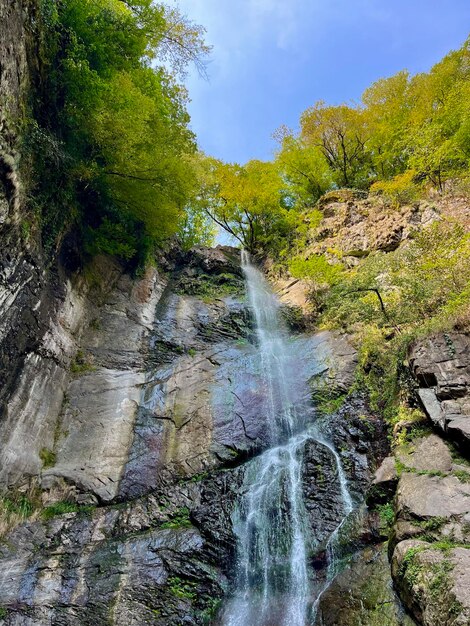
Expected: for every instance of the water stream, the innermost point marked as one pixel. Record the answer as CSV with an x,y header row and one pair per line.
x,y
273,586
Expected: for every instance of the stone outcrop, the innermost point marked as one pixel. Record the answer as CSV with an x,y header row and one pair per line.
x,y
26,292
81,424
353,227
140,408
434,582
431,539
441,367
137,404
362,594
138,564
138,414
428,481
294,293
129,409
16,23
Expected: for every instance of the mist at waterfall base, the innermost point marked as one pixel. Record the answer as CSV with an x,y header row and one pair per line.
x,y
273,585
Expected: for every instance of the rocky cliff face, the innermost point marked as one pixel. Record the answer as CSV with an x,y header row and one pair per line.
x,y
353,227
129,409
441,366
27,292
430,539
15,20
133,424
430,543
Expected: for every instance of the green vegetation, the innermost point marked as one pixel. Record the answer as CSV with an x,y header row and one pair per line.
x,y
81,364
293,316
3,612
60,508
107,148
197,478
16,507
250,202
410,568
431,580
409,136
401,189
462,475
409,132
210,287
179,519
47,457
210,612
326,404
434,523
183,589
441,587
19,504
430,529
387,517
391,299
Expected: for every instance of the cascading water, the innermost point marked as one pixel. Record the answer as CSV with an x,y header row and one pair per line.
x,y
333,541
271,526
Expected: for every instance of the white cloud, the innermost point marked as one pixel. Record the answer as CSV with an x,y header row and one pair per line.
x,y
239,25
278,19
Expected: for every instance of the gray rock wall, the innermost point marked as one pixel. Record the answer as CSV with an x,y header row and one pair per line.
x,y
28,294
77,395
441,367
145,396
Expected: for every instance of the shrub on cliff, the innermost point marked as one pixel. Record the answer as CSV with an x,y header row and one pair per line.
x,y
399,190
390,299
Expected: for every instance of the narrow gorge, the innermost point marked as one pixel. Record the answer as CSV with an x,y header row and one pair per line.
x,y
269,433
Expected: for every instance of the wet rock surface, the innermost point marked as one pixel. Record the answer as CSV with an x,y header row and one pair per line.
x,y
146,398
82,574
363,595
149,439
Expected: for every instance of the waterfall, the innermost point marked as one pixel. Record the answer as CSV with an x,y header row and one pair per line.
x,y
333,541
272,586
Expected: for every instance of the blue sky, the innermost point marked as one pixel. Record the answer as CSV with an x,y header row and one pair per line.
x,y
272,59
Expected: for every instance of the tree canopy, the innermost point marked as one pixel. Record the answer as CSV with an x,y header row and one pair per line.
x,y
113,152
250,202
113,122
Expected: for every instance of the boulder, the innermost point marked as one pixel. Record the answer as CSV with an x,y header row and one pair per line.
x,y
387,472
434,583
426,454
424,496
363,594
384,483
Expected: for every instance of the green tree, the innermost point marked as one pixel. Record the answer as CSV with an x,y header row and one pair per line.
x,y
386,113
249,202
119,118
439,127
303,167
341,133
